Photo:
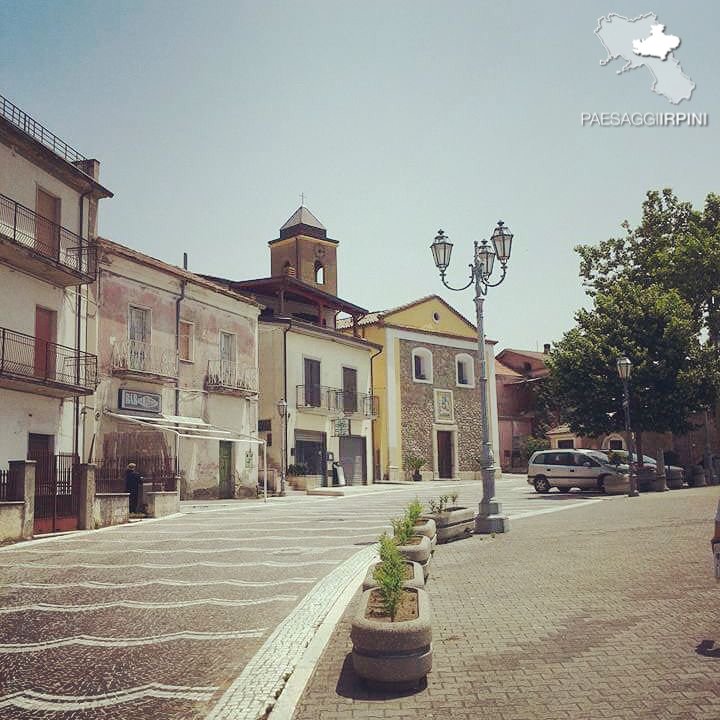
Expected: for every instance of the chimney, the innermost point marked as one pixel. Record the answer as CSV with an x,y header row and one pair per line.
x,y
546,348
89,167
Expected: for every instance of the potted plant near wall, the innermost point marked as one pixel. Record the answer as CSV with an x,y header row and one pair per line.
x,y
391,633
414,463
453,521
412,571
422,525
416,548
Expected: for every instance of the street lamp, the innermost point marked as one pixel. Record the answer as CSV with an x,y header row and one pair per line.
x,y
282,412
489,518
624,367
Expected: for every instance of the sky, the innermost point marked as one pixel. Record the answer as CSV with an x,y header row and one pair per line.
x,y
394,118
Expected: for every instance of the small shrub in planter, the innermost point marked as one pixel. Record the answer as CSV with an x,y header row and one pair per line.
x,y
391,632
422,525
414,463
416,548
453,522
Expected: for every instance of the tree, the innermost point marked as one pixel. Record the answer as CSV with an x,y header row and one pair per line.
x,y
674,246
673,374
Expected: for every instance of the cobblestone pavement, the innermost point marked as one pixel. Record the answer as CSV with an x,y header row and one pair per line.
x,y
182,618
609,611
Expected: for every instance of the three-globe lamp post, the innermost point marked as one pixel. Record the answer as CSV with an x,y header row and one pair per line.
x,y
489,518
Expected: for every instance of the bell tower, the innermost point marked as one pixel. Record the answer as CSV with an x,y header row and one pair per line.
x,y
304,251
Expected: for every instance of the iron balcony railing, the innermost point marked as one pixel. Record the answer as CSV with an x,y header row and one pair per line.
x,y
26,356
354,403
133,356
35,130
45,238
317,397
230,375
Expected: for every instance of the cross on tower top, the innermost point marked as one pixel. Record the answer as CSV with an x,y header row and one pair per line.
x,y
302,199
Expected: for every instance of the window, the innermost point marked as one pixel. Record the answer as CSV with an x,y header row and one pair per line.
x,y
139,338
228,369
312,382
422,365
616,445
566,444
465,370
583,459
186,341
319,273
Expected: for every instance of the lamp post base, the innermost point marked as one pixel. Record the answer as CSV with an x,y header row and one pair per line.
x,y
490,519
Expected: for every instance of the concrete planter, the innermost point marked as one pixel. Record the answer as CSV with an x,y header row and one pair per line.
x,y
419,553
675,481
454,523
616,485
697,477
392,652
426,526
417,580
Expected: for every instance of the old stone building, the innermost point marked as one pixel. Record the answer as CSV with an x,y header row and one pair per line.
x,y
178,378
426,383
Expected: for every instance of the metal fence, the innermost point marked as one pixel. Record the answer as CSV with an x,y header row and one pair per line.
x,y
46,238
318,397
10,486
57,496
38,132
32,357
159,470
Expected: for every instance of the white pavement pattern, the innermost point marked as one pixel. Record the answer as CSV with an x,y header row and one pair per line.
x,y
202,631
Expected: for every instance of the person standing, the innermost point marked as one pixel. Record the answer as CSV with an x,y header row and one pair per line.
x,y
132,485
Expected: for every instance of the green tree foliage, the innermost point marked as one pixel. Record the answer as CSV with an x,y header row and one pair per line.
x,y
389,574
674,246
532,444
673,374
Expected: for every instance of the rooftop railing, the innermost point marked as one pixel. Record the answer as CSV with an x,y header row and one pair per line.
x,y
36,131
46,238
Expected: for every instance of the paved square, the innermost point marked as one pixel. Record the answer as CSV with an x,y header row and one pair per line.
x,y
608,611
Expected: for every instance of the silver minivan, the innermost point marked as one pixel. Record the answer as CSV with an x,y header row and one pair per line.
x,y
565,469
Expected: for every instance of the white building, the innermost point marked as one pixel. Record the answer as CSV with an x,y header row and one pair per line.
x,y
323,375
49,197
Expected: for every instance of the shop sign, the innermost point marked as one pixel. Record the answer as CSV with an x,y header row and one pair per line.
x,y
342,427
139,400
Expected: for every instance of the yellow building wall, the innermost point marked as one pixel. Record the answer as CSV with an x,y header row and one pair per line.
x,y
379,388
420,317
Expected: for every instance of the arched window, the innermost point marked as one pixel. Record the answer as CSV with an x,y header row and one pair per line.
x,y
319,273
288,269
422,365
464,370
614,441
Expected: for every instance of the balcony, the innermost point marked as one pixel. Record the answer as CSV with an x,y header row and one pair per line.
x,y
317,398
34,365
359,405
135,358
231,377
34,244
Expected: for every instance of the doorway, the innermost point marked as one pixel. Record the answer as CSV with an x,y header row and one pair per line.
x,y
445,453
353,459
225,479
45,350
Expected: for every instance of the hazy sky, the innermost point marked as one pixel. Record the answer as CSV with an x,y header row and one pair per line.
x,y
394,118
